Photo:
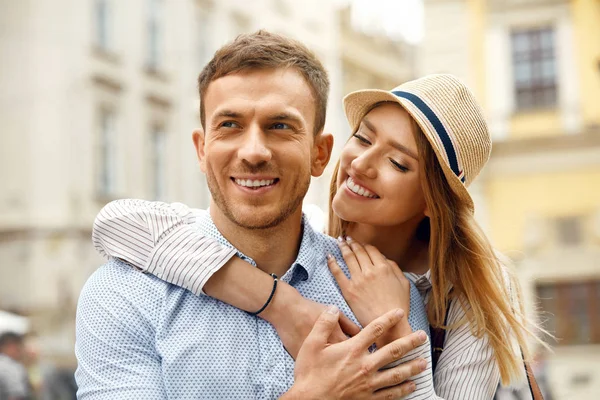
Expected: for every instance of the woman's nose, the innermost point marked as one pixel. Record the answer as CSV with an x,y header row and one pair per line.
x,y
363,165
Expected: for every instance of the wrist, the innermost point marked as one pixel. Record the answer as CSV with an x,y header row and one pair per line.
x,y
278,310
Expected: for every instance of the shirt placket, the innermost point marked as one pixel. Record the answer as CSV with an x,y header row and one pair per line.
x,y
273,380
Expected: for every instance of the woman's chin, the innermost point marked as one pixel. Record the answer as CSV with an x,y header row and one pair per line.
x,y
347,213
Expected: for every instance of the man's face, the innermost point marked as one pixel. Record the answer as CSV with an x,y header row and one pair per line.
x,y
259,148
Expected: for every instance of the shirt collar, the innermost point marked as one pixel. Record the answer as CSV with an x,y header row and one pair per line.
x,y
306,261
422,282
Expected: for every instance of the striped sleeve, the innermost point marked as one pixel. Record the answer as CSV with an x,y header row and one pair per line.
x,y
467,368
159,239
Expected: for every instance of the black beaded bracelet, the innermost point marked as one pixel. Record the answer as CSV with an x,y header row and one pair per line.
x,y
270,297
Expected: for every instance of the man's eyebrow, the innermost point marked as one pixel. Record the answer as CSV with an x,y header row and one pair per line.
x,y
393,143
283,116
228,114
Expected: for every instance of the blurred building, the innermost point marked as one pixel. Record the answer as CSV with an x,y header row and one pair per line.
x,y
98,102
367,60
535,67
372,61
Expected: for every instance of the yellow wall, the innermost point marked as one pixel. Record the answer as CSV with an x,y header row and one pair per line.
x,y
535,124
586,22
512,199
477,34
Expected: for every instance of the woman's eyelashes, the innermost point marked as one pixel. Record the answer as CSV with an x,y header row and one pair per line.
x,y
398,166
366,142
362,139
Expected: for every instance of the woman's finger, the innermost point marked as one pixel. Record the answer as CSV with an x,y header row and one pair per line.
x,y
375,255
360,253
349,258
337,272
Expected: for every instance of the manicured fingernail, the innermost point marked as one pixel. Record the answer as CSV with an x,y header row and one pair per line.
x,y
422,365
340,239
348,238
332,310
412,386
422,336
399,313
329,257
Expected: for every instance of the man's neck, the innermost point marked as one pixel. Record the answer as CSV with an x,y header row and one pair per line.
x,y
273,249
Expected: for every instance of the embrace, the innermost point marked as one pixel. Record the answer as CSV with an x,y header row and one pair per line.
x,y
403,298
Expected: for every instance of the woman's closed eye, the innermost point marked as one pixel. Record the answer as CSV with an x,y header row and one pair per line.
x,y
398,166
362,139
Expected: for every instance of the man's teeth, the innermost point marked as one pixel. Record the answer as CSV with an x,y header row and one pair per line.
x,y
254,183
359,189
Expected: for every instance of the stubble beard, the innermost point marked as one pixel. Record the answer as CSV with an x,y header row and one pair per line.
x,y
257,223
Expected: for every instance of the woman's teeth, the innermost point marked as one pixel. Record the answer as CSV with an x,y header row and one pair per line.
x,y
254,183
359,189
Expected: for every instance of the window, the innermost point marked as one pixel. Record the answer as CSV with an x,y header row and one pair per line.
x,y
155,33
103,22
569,230
534,68
158,160
571,311
107,153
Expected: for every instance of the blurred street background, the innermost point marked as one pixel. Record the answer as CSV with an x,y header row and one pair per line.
x,y
98,99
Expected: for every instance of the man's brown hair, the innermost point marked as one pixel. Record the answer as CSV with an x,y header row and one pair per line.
x,y
266,50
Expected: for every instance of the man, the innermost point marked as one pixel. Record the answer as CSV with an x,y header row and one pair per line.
x,y
13,375
263,101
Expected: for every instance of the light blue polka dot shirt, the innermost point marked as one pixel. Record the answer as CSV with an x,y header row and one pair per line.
x,y
138,337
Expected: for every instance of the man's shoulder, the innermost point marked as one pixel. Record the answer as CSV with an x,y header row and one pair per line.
x,y
330,245
117,284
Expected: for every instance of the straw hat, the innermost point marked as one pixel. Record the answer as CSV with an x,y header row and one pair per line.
x,y
448,115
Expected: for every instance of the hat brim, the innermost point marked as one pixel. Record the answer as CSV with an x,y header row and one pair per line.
x,y
358,103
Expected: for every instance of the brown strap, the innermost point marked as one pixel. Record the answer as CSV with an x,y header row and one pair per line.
x,y
438,339
534,389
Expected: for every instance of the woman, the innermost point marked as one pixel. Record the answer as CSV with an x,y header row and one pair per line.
x,y
399,186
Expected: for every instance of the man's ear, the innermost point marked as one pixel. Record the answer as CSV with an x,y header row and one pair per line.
x,y
198,138
321,153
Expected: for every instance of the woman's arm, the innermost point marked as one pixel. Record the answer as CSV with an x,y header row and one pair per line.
x,y
161,239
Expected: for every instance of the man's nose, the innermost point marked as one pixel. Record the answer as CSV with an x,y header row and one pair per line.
x,y
254,148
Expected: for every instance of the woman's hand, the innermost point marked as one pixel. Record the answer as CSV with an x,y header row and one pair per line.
x,y
293,317
377,284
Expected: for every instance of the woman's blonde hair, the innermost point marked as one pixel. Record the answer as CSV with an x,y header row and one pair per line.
x,y
461,257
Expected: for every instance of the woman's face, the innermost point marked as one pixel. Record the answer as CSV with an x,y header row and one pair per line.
x,y
378,181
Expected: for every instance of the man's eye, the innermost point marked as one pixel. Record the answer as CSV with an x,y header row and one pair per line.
x,y
229,124
280,125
